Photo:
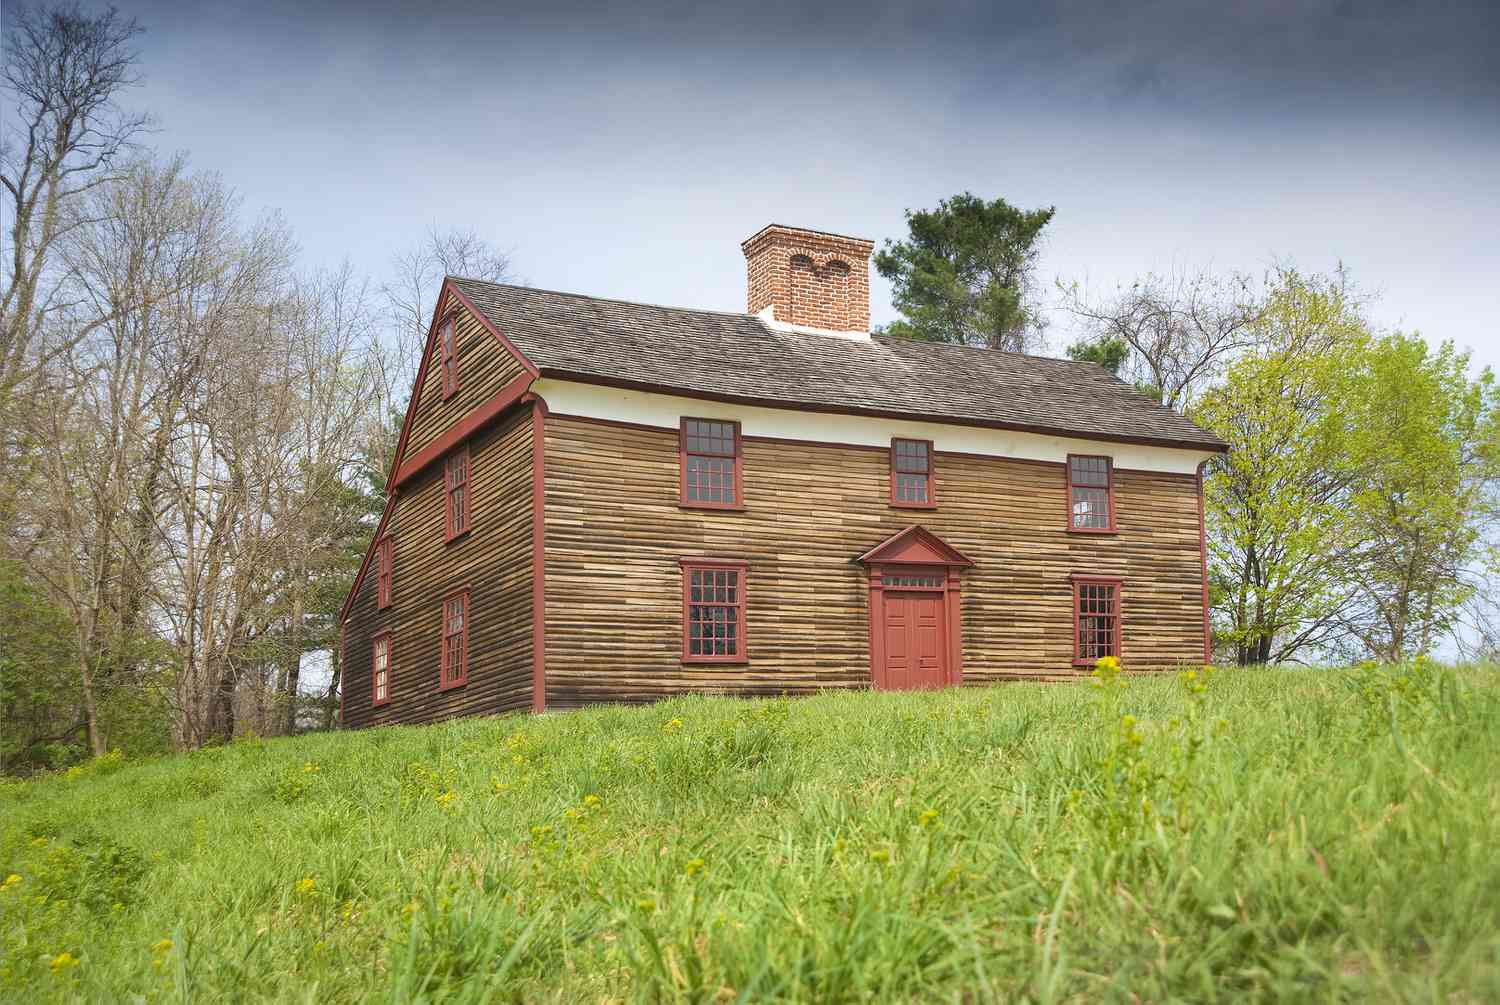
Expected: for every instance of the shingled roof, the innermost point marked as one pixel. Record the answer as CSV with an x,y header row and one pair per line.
x,y
738,357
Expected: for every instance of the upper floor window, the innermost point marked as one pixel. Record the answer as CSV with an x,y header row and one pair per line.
x,y
456,481
1091,495
448,343
455,656
1096,619
911,473
713,611
380,669
712,465
384,558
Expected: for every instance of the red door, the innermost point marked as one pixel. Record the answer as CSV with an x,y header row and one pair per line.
x,y
915,649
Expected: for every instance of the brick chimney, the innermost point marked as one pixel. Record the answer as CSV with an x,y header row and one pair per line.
x,y
809,278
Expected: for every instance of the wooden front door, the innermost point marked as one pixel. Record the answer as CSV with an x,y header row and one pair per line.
x,y
916,649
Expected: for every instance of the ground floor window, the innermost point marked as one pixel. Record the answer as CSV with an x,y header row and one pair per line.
x,y
713,610
1096,618
380,673
455,662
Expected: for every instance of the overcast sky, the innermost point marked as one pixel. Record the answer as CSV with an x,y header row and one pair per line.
x,y
625,150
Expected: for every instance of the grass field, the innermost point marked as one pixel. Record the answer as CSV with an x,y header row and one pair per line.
x,y
1271,835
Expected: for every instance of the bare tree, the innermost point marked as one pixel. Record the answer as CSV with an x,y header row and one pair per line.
x,y
92,417
1179,329
63,70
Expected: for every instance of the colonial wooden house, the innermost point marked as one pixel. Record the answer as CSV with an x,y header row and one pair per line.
x,y
595,500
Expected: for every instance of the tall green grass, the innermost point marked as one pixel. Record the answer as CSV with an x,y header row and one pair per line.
x,y
1268,835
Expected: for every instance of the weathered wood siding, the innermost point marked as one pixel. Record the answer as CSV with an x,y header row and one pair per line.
x,y
494,560
615,532
484,367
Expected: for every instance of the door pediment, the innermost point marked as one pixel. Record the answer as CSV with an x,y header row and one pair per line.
x,y
916,545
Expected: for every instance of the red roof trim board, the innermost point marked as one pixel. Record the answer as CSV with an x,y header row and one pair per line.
x,y
359,577
432,333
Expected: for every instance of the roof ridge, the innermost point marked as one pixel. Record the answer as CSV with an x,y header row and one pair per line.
x,y
609,300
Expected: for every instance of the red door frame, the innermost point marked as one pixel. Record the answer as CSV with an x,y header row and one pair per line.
x,y
916,552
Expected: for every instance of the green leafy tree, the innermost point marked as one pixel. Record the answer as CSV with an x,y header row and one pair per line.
x,y
964,274
1109,352
1278,542
1421,441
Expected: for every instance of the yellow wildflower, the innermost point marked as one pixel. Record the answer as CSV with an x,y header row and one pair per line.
x,y
11,880
307,886
672,726
39,842
163,946
445,798
693,866
646,904
591,800
63,962
310,767
927,818
880,856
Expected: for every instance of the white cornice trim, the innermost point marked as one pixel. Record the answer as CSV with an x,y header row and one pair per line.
x,y
664,411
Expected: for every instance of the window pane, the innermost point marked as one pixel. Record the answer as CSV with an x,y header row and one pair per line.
x,y
1090,507
710,479
911,455
1090,471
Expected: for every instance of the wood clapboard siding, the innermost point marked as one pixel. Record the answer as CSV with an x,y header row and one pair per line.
x,y
615,533
494,560
484,367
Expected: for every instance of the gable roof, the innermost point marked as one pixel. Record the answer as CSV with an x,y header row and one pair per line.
x,y
738,357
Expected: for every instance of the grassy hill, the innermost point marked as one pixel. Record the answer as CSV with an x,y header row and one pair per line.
x,y
1266,834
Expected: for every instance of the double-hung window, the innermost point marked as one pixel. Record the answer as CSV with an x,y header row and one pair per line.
x,y
456,483
1096,618
1091,494
713,610
455,657
448,347
911,474
380,669
712,464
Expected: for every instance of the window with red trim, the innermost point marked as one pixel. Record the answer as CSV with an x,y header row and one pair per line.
x,y
448,346
712,471
1096,619
456,480
380,669
713,611
455,659
911,473
1091,497
384,558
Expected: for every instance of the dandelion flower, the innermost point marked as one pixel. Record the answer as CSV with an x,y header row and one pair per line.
x,y
163,946
63,962
591,800
445,798
307,886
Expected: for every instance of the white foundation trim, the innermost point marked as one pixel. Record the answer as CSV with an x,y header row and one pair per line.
x,y
665,411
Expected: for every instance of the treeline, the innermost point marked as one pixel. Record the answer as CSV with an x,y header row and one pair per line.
x,y
194,429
